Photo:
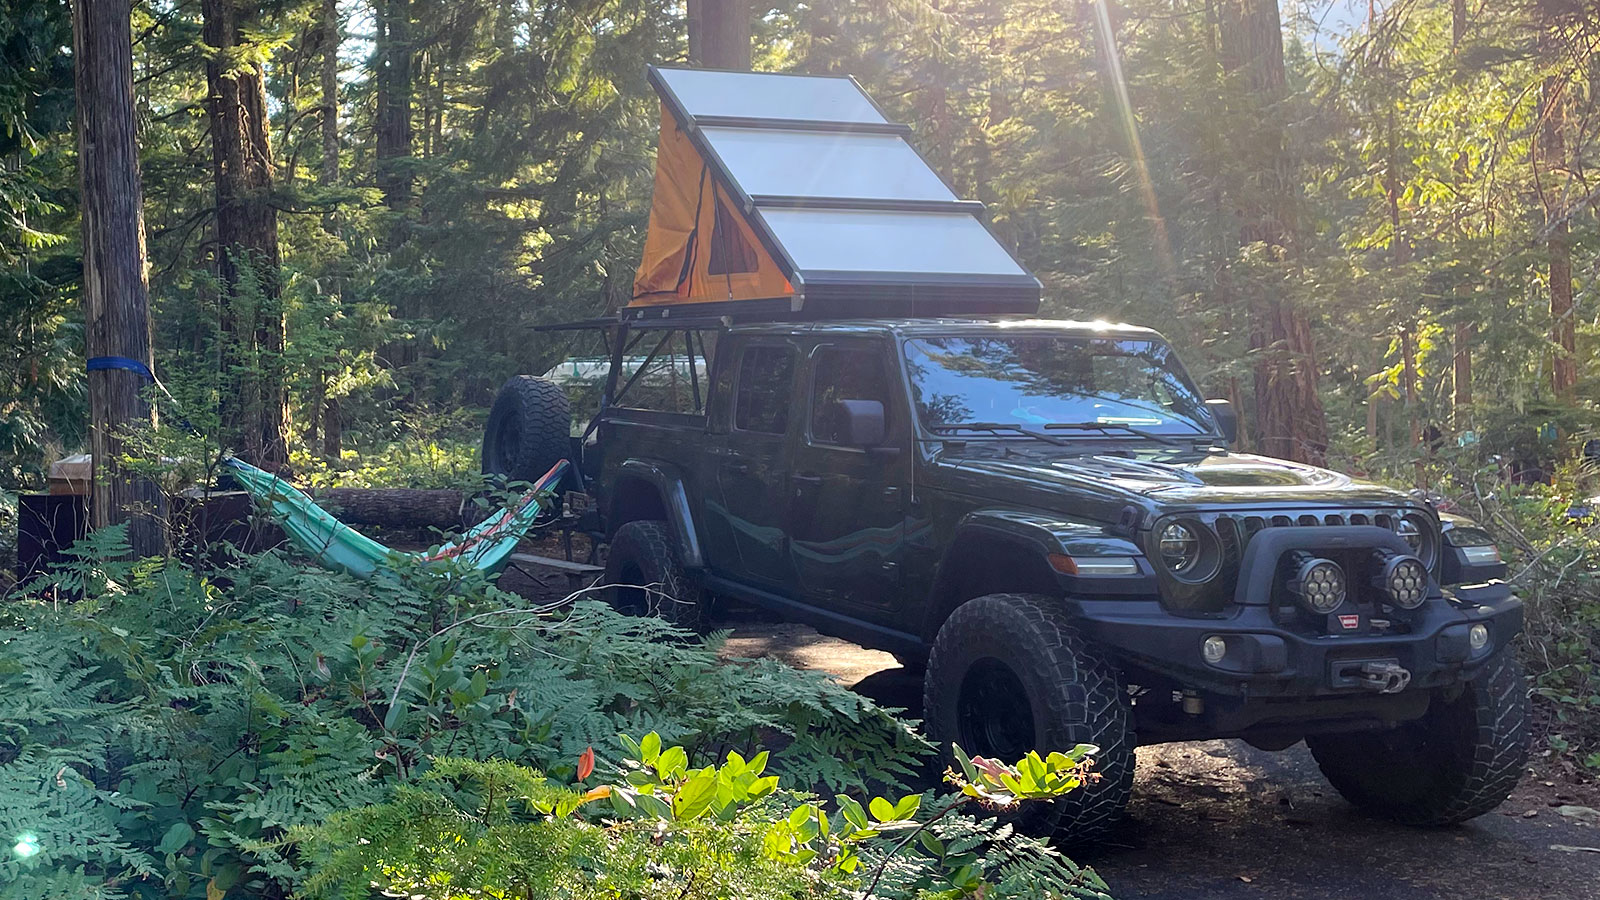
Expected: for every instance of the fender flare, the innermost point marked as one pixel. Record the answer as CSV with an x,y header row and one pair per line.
x,y
668,484
1034,536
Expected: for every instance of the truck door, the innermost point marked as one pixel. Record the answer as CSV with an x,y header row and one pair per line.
x,y
753,465
847,503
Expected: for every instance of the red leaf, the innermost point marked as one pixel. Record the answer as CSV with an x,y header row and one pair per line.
x,y
586,763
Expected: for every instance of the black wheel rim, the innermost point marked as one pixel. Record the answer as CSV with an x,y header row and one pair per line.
x,y
994,717
507,444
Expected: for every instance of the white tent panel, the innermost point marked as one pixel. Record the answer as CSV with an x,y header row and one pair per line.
x,y
825,164
848,240
756,95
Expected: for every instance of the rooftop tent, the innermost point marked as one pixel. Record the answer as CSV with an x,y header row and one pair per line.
x,y
794,194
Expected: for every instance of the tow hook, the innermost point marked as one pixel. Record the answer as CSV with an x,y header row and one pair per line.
x,y
1385,677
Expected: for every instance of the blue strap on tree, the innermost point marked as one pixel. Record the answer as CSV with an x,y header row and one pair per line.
x,y
102,363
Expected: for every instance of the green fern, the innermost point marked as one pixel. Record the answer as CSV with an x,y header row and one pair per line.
x,y
193,717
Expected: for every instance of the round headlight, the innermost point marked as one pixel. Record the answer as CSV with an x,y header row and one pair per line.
x,y
1320,584
1408,529
1418,534
1180,548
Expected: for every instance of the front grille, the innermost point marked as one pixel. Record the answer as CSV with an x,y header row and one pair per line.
x,y
1233,531
1236,529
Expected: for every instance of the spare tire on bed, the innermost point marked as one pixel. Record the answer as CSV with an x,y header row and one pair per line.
x,y
528,431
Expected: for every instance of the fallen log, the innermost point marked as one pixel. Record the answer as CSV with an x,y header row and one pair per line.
x,y
400,507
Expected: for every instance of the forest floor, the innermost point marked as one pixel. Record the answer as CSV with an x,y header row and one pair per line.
x,y
1220,820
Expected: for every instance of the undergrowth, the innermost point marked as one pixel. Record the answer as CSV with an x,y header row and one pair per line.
x,y
1550,537
160,733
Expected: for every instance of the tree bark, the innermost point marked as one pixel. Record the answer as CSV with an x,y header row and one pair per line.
x,y
327,410
1462,376
1551,155
394,58
255,397
1463,373
330,93
1289,417
399,507
116,298
719,33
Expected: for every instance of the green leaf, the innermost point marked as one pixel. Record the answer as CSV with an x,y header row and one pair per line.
x,y
672,763
650,748
852,812
968,770
653,806
176,838
758,764
695,796
907,807
882,810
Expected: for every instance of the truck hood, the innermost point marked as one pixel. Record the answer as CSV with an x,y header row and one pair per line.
x,y
1162,481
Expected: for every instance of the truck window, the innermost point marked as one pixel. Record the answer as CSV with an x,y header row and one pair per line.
x,y
843,374
762,402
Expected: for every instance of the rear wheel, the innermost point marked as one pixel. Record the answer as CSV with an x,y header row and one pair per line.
x,y
644,577
1009,673
1458,761
528,431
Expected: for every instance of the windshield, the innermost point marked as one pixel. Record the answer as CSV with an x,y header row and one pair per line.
x,y
1039,380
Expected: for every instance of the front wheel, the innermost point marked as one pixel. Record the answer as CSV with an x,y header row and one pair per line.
x,y
1460,760
644,577
1010,673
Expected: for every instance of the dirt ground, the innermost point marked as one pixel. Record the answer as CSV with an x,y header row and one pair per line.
x,y
1220,820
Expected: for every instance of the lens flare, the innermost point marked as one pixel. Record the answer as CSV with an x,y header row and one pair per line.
x,y
27,845
1147,189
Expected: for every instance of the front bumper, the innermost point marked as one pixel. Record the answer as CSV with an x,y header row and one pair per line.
x,y
1268,659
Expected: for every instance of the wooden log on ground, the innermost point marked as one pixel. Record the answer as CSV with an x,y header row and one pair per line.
x,y
400,507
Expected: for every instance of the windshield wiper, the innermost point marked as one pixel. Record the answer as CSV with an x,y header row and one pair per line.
x,y
1118,426
997,427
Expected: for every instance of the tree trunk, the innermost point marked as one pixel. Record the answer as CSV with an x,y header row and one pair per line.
x,y
116,299
1462,376
330,93
255,398
394,58
399,507
1289,415
332,428
1463,373
1552,153
719,33
327,409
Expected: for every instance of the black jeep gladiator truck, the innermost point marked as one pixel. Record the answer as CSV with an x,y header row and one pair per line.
x,y
1045,517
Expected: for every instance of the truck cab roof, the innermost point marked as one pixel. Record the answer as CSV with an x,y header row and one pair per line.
x,y
936,326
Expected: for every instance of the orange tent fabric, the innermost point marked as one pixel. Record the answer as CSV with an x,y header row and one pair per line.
x,y
700,248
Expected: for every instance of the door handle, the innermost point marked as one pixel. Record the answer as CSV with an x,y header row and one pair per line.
x,y
736,467
807,480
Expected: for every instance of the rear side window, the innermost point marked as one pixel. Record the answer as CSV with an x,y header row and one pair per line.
x,y
762,402
853,374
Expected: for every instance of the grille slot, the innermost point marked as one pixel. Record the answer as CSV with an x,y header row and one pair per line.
x,y
1236,530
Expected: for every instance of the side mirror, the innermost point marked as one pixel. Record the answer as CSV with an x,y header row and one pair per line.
x,y
861,422
1227,419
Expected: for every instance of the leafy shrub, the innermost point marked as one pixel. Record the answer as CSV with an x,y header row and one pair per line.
x,y
474,829
1554,561
158,735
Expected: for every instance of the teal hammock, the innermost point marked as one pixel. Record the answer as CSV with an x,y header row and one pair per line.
x,y
335,545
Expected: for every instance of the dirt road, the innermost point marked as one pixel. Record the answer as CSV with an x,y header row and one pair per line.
x,y
1221,820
